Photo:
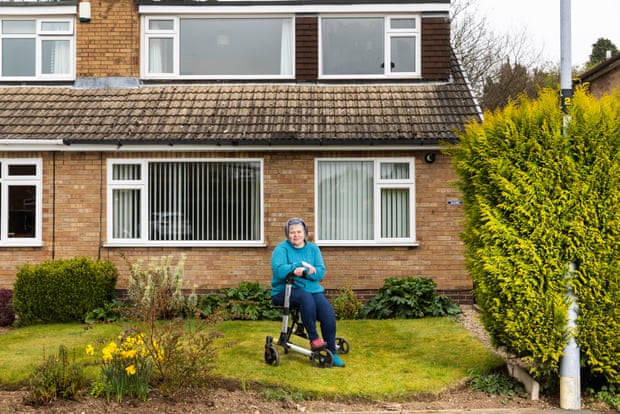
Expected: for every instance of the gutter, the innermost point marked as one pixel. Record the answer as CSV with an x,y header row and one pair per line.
x,y
31,144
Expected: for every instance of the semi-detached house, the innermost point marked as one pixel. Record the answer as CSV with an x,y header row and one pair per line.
x,y
141,128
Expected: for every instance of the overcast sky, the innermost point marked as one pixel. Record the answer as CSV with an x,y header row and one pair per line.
x,y
591,19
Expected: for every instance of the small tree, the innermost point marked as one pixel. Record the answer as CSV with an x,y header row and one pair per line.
x,y
599,51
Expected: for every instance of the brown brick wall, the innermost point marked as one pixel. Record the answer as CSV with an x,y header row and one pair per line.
x,y
306,48
607,83
109,45
74,224
435,48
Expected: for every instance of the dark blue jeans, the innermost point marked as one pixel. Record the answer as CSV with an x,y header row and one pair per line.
x,y
313,307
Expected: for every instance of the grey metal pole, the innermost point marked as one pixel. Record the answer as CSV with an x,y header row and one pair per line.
x,y
570,376
566,78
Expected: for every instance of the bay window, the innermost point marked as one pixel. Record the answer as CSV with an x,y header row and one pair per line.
x,y
38,48
20,202
198,202
218,47
365,201
369,46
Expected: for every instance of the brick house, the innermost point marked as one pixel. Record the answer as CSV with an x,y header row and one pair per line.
x,y
603,78
141,128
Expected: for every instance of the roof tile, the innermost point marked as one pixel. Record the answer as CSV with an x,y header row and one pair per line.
x,y
269,114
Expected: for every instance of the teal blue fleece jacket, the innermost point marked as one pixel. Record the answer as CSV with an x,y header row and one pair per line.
x,y
286,258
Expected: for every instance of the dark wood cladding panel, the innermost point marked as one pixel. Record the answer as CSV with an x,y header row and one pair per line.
x,y
435,48
307,48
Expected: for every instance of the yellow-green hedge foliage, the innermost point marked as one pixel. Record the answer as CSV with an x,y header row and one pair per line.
x,y
537,196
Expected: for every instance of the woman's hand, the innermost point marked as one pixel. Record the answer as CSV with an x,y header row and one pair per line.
x,y
311,269
299,271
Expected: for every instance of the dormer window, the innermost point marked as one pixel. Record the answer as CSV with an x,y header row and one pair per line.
x,y
37,49
369,47
199,47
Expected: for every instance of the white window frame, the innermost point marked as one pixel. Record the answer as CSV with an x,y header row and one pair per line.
x,y
142,185
174,34
41,35
378,185
389,34
7,181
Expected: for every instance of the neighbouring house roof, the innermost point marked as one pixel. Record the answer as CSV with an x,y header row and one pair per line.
x,y
602,69
241,114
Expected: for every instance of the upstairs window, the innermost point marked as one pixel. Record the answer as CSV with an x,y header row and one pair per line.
x,y
365,201
20,202
40,49
181,202
369,47
222,47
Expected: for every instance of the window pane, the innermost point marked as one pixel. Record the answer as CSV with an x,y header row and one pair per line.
x,y
126,172
161,24
18,26
22,208
55,26
403,54
217,201
345,209
126,214
395,213
55,59
161,55
18,57
235,46
352,46
22,170
394,170
400,24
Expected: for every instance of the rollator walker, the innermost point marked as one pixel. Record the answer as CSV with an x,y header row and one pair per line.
x,y
321,358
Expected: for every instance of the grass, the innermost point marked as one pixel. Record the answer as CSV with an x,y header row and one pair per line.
x,y
389,359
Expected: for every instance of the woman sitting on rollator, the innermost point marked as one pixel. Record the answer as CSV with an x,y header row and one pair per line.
x,y
302,258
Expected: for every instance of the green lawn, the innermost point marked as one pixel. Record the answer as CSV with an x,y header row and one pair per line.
x,y
389,359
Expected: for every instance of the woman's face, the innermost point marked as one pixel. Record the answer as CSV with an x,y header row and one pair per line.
x,y
297,235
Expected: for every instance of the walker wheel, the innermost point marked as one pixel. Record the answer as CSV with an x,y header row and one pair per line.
x,y
271,353
342,346
322,358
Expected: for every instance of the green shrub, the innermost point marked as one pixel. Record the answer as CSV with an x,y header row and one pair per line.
x,y
250,301
111,311
179,350
62,290
497,383
538,195
210,303
346,304
157,292
57,377
406,298
609,394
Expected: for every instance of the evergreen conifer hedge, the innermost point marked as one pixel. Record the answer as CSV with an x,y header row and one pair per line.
x,y
538,196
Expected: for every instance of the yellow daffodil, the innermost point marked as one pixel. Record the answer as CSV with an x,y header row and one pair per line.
x,y
131,353
90,350
131,370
